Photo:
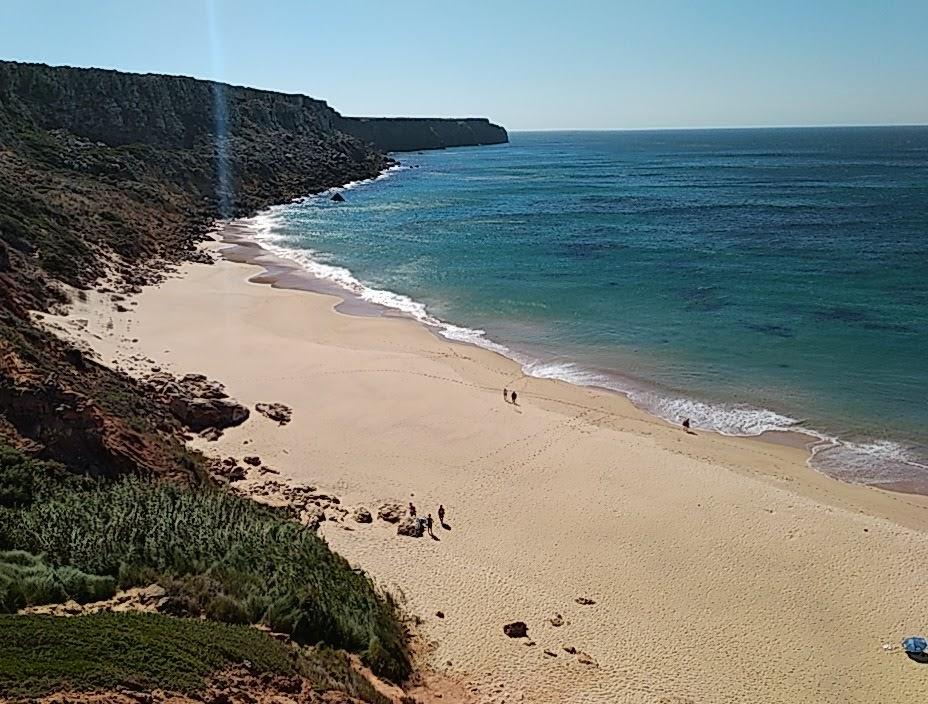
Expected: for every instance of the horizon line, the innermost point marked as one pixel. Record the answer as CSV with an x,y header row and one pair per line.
x,y
720,127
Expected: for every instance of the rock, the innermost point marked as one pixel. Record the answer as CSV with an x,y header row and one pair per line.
x,y
275,411
391,512
583,601
550,654
174,606
440,614
557,620
312,517
585,659
71,607
516,629
338,198
362,515
211,434
411,527
252,460
202,413
570,649
152,592
529,642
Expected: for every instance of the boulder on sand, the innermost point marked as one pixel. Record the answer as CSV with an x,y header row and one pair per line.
x,y
516,629
362,515
411,527
391,512
201,413
275,411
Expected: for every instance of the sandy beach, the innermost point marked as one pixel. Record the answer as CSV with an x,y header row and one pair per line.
x,y
721,569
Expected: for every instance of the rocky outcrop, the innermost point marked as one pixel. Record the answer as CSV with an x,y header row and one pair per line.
x,y
409,134
197,402
391,512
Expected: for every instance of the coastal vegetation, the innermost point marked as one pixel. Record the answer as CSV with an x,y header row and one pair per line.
x,y
43,654
217,554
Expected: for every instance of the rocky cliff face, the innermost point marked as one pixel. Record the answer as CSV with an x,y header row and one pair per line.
x,y
407,134
107,172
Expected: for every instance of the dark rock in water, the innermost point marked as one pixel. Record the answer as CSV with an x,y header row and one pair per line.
x,y
516,629
338,198
411,527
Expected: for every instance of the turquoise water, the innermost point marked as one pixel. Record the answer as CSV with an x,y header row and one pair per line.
x,y
750,280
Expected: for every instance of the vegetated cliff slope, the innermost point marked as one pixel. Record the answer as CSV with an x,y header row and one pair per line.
x,y
406,134
100,169
103,171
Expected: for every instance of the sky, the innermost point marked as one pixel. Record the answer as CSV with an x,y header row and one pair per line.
x,y
539,64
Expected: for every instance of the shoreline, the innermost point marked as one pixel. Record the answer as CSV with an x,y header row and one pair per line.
x,y
284,272
731,547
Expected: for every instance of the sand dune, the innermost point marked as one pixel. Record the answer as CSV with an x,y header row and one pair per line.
x,y
722,570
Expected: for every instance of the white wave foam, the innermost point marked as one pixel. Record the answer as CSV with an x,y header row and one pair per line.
x,y
875,462
726,419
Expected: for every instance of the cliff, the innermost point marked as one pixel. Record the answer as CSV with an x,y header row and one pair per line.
x,y
103,172
407,134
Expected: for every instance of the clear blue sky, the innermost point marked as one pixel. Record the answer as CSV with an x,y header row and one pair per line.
x,y
528,65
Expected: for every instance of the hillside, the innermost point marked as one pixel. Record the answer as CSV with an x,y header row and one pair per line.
x,y
107,180
103,172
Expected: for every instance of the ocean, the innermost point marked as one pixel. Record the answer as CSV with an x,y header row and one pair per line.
x,y
750,280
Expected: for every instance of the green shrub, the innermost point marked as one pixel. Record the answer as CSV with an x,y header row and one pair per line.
x,y
26,580
206,543
44,654
24,480
226,609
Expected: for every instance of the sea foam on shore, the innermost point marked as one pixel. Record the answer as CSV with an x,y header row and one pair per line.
x,y
877,462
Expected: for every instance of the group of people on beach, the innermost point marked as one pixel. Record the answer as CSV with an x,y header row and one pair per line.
x,y
427,523
510,396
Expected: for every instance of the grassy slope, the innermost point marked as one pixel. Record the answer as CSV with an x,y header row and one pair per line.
x,y
43,654
228,557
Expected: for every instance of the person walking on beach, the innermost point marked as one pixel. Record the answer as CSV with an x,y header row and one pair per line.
x,y
514,397
412,510
441,514
506,395
428,525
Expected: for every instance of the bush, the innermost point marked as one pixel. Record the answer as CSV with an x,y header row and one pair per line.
x,y
24,480
226,609
44,654
208,543
26,580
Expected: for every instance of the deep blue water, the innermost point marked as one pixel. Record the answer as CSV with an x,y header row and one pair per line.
x,y
747,279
